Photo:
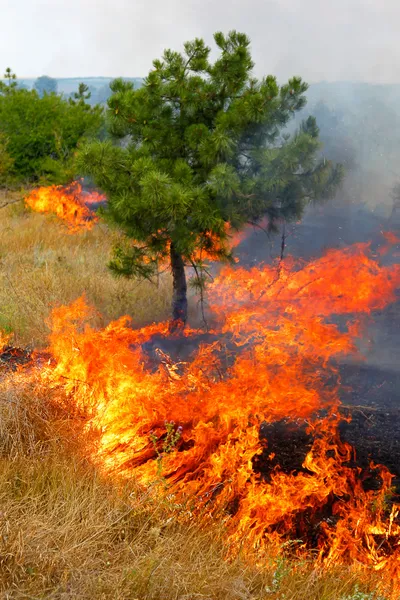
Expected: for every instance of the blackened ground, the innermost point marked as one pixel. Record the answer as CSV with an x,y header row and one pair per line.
x,y
12,358
371,390
370,394
372,398
286,445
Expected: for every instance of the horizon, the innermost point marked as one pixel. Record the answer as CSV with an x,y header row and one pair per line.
x,y
350,40
111,77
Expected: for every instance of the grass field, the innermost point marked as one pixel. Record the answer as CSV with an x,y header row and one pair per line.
x,y
42,265
65,531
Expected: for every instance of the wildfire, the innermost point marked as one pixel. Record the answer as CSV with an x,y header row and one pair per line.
x,y
278,334
74,206
271,357
69,203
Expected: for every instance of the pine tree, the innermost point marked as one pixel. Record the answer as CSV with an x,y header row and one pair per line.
x,y
202,148
10,78
82,95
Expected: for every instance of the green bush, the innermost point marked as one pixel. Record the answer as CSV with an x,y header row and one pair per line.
x,y
42,133
6,161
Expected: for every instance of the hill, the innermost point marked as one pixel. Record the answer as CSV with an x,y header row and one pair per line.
x,y
98,86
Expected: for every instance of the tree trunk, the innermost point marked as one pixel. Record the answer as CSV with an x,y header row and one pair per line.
x,y
179,295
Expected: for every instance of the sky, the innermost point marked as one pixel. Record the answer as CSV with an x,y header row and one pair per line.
x,y
346,40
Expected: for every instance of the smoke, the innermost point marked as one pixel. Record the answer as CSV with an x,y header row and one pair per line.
x,y
358,127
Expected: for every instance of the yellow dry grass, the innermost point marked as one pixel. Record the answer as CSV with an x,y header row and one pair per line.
x,y
42,265
67,532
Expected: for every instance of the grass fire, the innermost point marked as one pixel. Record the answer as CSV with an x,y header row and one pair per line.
x,y
189,412
199,359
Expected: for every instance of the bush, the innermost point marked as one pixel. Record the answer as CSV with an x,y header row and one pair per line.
x,y
42,134
6,162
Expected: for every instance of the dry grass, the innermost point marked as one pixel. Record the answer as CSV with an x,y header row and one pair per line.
x,y
42,265
65,531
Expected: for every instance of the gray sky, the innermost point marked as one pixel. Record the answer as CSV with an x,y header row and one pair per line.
x,y
316,39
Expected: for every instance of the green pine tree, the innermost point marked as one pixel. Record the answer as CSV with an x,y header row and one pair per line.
x,y
82,95
10,78
203,147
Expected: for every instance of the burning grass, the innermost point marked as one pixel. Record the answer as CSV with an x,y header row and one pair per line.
x,y
70,204
203,418
68,532
154,479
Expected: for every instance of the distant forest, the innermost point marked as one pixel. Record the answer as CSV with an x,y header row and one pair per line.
x,y
99,87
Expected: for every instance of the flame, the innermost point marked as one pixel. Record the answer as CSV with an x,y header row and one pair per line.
x,y
278,334
69,203
72,205
4,339
270,357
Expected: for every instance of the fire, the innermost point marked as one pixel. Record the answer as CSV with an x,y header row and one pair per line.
x,y
270,357
69,203
73,206
278,333
4,339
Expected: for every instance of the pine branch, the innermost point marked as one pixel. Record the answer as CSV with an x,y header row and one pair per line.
x,y
258,226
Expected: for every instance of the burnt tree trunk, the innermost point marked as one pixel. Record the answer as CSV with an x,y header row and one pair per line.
x,y
179,295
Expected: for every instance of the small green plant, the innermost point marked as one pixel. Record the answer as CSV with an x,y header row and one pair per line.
x,y
383,503
359,595
168,445
281,571
5,325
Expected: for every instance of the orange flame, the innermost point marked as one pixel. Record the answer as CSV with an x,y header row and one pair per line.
x,y
69,203
72,205
4,339
273,360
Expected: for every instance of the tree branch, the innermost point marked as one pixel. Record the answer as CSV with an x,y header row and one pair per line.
x,y
283,243
254,224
